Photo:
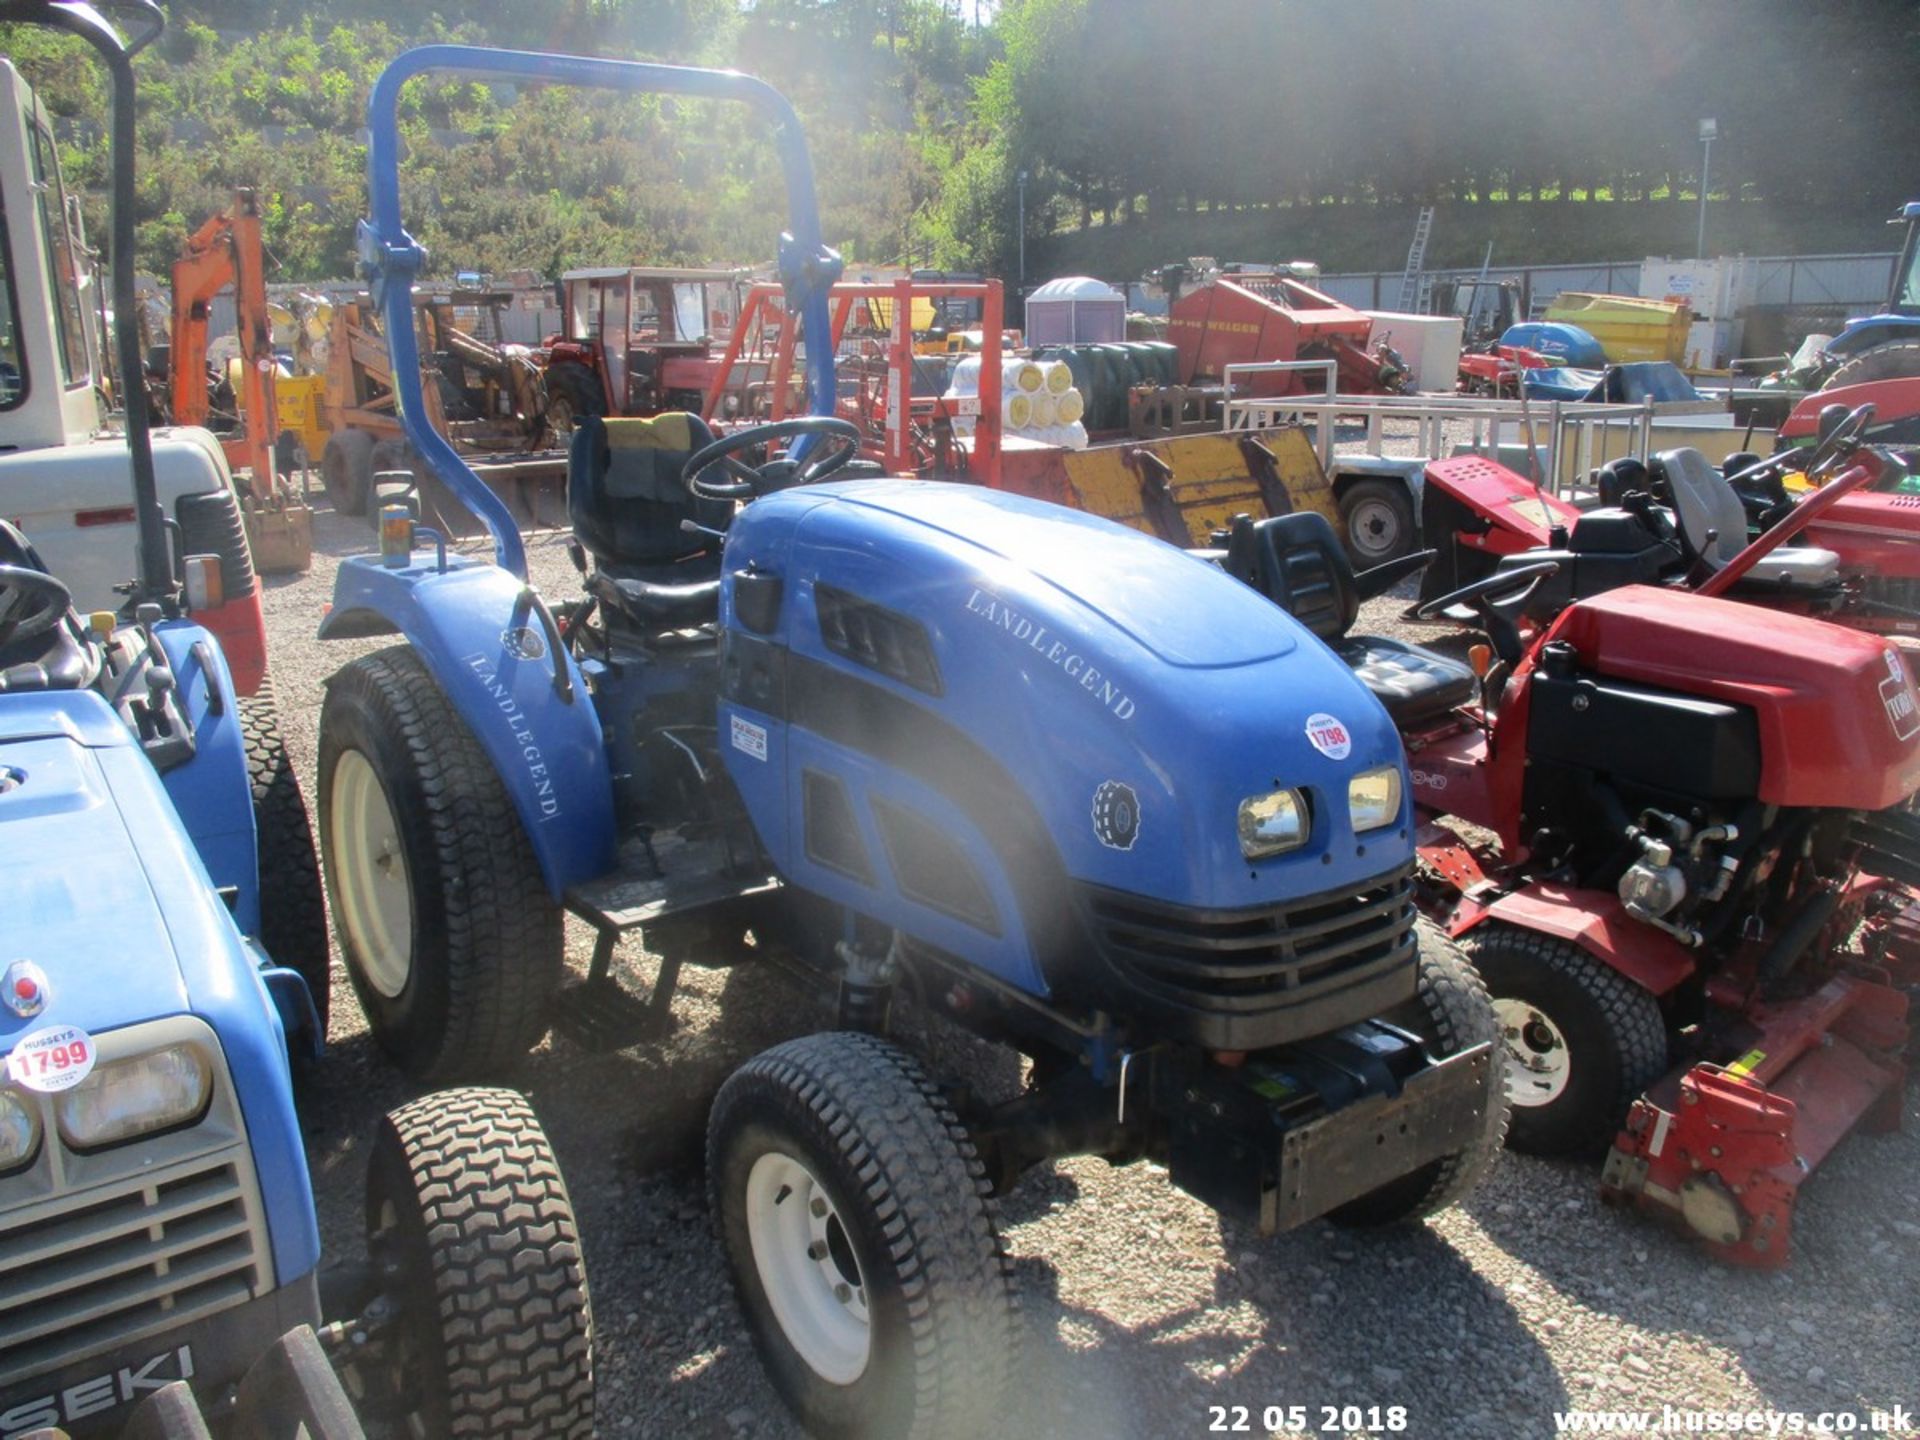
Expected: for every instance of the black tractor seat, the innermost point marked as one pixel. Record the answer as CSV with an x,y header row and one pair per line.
x,y
660,604
1296,561
627,502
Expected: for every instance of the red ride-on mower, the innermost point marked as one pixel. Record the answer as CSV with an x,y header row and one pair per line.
x,y
1678,852
1677,520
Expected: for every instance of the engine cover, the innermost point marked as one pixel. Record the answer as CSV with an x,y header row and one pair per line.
x,y
1022,735
1835,709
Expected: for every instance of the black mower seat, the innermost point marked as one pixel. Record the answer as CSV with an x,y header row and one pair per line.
x,y
1704,502
1296,562
627,501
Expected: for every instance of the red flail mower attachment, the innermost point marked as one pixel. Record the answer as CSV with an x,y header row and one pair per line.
x,y
1723,1151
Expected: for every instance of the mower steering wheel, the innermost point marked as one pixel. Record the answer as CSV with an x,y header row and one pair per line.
x,y
1489,585
32,602
843,443
1841,442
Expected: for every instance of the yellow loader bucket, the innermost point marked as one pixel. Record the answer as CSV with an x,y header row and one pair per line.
x,y
1182,488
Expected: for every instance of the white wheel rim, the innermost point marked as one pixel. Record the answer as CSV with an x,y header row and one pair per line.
x,y
370,876
1375,527
1538,1062
807,1268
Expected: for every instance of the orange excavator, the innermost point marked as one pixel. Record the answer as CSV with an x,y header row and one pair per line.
x,y
227,250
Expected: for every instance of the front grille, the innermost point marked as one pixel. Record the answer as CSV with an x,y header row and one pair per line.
x,y
100,1249
1242,965
124,1261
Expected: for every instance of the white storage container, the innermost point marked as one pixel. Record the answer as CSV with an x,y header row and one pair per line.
x,y
1430,344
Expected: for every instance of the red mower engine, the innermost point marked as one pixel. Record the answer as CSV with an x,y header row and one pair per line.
x,y
1701,913
1754,777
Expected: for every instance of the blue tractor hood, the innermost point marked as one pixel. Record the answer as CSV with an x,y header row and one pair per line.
x,y
75,871
104,890
1119,696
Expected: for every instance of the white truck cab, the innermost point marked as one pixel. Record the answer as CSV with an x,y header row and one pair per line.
x,y
64,480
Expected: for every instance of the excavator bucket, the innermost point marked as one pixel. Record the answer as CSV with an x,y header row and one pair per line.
x,y
1182,488
279,532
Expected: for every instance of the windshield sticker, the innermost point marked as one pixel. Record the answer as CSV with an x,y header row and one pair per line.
x,y
545,797
1075,666
1327,735
51,1059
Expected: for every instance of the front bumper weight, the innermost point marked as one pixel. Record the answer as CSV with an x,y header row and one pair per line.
x,y
1291,1135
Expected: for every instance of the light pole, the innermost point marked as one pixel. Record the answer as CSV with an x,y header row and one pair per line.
x,y
1021,181
1709,131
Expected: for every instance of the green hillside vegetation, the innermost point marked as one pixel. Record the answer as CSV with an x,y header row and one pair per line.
x,y
1248,129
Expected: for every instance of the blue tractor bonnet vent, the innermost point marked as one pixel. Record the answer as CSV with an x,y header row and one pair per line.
x,y
880,639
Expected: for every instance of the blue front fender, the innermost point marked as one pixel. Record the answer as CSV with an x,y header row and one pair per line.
x,y
477,629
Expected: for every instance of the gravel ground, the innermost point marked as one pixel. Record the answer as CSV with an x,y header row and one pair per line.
x,y
1143,1309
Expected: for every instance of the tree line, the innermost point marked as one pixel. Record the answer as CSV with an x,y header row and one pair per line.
x,y
923,114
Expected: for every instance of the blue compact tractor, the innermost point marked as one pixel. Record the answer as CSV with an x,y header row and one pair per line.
x,y
158,1242
1076,790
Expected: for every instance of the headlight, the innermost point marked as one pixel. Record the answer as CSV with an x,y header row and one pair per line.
x,y
134,1097
1272,823
1373,798
19,1130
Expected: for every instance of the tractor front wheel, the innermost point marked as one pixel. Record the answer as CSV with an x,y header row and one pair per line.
x,y
1452,1013
470,1223
1583,1041
450,937
293,914
1882,362
864,1248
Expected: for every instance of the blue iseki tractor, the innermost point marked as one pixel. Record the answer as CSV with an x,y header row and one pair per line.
x,y
159,1249
1071,788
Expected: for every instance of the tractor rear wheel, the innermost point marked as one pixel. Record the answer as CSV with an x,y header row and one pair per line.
x,y
1452,1013
346,469
451,940
573,393
1583,1041
863,1245
468,1213
293,914
1376,517
1883,362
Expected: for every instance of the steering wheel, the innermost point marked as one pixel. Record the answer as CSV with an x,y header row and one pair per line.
x,y
1500,621
32,602
1488,585
749,482
1841,442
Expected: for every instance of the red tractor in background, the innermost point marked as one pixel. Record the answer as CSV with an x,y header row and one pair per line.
x,y
637,340
1684,869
